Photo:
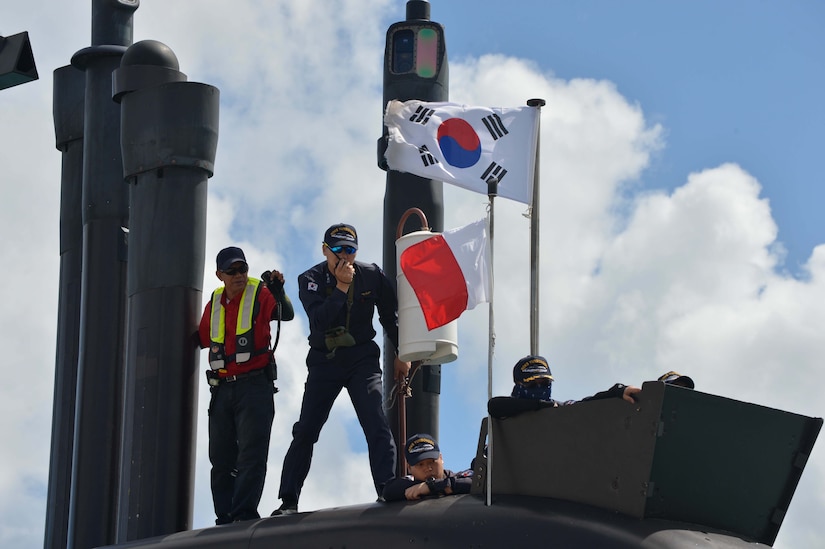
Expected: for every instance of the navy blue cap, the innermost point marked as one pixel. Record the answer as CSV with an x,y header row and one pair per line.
x,y
420,447
228,256
675,378
531,368
341,234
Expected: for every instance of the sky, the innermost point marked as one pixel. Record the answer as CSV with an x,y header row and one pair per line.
x,y
680,205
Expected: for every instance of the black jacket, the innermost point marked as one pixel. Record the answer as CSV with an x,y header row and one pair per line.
x,y
504,406
326,306
460,484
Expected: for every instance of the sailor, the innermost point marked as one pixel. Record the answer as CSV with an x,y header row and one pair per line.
x,y
427,477
340,296
235,328
533,386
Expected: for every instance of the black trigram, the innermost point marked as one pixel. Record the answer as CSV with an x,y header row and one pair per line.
x,y
426,156
495,126
422,115
493,170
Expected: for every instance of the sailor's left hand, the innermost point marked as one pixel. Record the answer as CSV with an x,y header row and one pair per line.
x,y
417,491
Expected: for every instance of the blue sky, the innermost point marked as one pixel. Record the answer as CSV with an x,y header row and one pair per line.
x,y
680,204
733,81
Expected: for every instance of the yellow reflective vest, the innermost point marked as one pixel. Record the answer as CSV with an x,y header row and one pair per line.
x,y
244,336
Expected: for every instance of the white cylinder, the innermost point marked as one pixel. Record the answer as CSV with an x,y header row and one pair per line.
x,y
415,341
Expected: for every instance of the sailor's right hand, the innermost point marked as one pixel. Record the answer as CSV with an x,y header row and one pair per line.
x,y
344,271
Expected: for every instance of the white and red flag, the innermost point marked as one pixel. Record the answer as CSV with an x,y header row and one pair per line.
x,y
465,146
449,272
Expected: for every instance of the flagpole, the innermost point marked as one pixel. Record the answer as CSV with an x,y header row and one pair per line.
x,y
492,191
534,241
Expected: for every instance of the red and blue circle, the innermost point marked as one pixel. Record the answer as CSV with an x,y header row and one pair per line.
x,y
459,143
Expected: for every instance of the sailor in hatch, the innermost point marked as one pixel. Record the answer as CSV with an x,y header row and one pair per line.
x,y
427,477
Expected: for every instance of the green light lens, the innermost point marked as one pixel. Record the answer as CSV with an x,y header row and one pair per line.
x,y
426,55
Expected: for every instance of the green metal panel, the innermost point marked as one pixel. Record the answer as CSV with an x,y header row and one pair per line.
x,y
599,453
677,454
726,463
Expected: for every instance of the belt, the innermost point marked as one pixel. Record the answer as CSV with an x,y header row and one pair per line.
x,y
238,377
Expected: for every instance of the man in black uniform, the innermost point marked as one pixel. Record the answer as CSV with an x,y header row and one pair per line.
x,y
533,385
427,477
340,296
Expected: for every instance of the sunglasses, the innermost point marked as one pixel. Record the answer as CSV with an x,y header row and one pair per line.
x,y
338,249
232,271
536,383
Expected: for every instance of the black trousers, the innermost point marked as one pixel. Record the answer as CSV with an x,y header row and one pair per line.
x,y
240,424
358,370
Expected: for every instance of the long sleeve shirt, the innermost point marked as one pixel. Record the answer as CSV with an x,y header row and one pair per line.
x,y
396,488
327,307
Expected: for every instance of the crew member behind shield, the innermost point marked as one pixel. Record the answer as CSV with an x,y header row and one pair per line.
x,y
340,296
235,328
427,477
533,386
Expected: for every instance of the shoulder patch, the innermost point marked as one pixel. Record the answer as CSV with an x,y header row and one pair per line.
x,y
312,287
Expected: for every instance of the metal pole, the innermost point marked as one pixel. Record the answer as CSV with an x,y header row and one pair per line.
x,y
105,202
69,98
492,191
415,67
534,243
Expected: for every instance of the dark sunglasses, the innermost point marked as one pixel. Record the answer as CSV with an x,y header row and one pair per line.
x,y
536,383
232,271
338,249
